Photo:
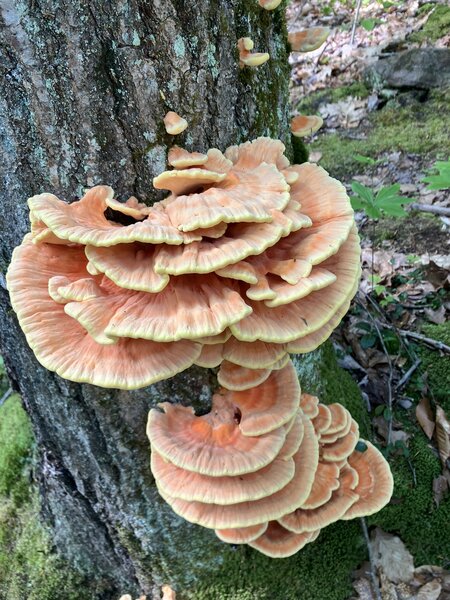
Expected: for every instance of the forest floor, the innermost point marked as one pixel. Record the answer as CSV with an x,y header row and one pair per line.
x,y
395,341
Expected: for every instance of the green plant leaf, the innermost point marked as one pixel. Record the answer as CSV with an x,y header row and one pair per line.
x,y
441,181
369,24
368,341
365,160
364,192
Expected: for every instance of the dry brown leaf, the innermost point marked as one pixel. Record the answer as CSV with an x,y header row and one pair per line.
x,y
430,591
424,415
364,589
436,316
168,593
440,488
442,435
392,557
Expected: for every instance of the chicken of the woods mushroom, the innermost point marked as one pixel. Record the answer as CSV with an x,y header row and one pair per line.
x,y
248,259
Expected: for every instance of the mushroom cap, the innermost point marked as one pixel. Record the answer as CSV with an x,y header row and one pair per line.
x,y
131,207
244,195
253,355
310,342
254,59
240,241
303,125
342,447
129,266
269,405
183,181
278,542
174,124
295,431
187,308
299,318
326,481
341,422
307,40
225,490
309,405
247,57
84,221
269,4
375,485
127,364
181,158
241,535
322,420
210,356
341,499
212,444
237,378
246,514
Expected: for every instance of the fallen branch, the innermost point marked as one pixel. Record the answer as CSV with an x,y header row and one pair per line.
x,y
421,338
408,374
373,573
5,396
355,22
431,208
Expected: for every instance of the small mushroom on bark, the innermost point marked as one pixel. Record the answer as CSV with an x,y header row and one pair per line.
x,y
247,58
174,124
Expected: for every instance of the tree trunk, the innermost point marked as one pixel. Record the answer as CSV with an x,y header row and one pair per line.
x,y
85,86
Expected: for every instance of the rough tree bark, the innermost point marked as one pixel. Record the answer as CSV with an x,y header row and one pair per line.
x,y
85,84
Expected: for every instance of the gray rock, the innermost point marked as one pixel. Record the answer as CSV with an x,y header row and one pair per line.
x,y
417,68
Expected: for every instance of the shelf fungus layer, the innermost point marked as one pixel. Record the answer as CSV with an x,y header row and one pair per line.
x,y
247,259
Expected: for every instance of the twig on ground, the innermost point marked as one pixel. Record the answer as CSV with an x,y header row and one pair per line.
x,y
419,337
5,396
376,324
408,374
373,572
431,208
355,21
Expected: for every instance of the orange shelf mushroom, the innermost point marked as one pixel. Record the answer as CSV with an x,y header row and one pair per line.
x,y
307,40
269,4
247,58
303,125
247,259
174,124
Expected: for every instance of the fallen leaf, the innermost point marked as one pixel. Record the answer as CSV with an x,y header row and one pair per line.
x,y
430,591
364,590
168,593
442,435
424,415
440,489
436,316
392,557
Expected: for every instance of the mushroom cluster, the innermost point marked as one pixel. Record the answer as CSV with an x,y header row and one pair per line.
x,y
266,467
247,259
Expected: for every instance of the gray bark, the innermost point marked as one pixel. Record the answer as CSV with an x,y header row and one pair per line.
x,y
85,85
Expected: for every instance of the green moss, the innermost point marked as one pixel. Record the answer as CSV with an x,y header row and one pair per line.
x,y
418,128
437,25
436,366
322,570
15,451
300,150
29,568
312,102
413,514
